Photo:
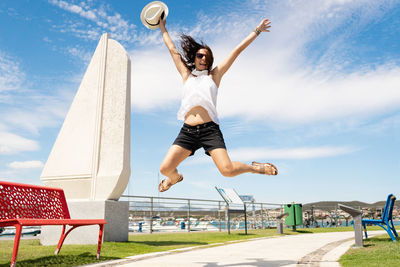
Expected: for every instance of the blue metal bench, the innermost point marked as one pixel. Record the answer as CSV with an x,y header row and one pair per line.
x,y
386,222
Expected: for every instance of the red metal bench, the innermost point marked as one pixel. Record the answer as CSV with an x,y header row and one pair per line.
x,y
29,205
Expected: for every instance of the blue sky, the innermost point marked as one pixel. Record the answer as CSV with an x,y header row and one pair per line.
x,y
318,96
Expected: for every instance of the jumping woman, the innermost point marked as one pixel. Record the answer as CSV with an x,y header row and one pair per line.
x,y
198,108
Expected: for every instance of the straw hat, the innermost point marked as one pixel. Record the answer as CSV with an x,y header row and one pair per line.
x,y
152,12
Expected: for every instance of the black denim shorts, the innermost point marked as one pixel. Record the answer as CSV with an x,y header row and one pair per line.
x,y
207,135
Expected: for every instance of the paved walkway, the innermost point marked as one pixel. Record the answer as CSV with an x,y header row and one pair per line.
x,y
298,250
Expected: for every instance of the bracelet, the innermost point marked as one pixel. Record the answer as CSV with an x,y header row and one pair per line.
x,y
257,31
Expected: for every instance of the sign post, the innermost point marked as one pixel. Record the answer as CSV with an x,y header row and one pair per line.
x,y
232,199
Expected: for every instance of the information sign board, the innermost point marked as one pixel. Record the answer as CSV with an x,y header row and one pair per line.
x,y
230,196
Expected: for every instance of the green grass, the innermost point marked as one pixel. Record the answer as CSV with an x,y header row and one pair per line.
x,y
377,251
31,253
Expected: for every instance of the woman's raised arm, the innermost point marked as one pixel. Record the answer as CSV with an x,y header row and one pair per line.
x,y
224,66
176,56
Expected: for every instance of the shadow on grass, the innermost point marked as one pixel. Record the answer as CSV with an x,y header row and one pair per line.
x,y
167,243
368,245
304,231
381,239
62,260
377,241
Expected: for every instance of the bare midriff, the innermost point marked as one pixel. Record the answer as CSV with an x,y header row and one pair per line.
x,y
197,115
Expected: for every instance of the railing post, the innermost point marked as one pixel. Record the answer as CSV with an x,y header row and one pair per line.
x,y
229,221
188,216
262,217
245,219
219,216
336,217
151,215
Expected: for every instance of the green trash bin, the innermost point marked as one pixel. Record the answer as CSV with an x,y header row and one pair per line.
x,y
295,215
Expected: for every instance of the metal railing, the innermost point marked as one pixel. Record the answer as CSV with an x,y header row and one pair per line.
x,y
168,214
185,214
333,216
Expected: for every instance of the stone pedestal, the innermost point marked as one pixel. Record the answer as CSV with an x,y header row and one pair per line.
x,y
116,213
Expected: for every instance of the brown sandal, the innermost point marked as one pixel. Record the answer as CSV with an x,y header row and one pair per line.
x,y
265,168
166,183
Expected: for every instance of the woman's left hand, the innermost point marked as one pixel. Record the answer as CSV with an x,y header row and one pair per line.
x,y
264,25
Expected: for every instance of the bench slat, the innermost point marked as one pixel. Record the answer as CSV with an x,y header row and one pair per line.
x,y
28,205
32,201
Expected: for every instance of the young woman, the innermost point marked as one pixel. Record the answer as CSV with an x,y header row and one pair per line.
x,y
198,108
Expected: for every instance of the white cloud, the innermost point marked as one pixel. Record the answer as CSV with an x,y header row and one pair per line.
x,y
262,154
301,153
81,31
11,144
74,9
102,19
33,164
118,27
301,97
388,125
80,54
11,76
37,112
24,108
155,82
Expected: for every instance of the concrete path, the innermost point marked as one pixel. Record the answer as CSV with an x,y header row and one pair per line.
x,y
298,250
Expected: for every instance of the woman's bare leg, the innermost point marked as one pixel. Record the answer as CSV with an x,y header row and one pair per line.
x,y
172,159
226,166
230,169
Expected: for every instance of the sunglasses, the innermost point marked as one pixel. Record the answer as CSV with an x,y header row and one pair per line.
x,y
200,55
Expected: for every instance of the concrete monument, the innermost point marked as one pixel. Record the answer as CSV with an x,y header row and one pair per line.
x,y
90,159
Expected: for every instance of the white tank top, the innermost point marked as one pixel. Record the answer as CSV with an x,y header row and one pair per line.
x,y
199,91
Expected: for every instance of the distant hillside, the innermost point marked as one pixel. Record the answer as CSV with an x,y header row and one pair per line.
x,y
330,205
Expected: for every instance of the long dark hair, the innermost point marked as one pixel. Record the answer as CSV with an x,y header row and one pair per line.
x,y
190,47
